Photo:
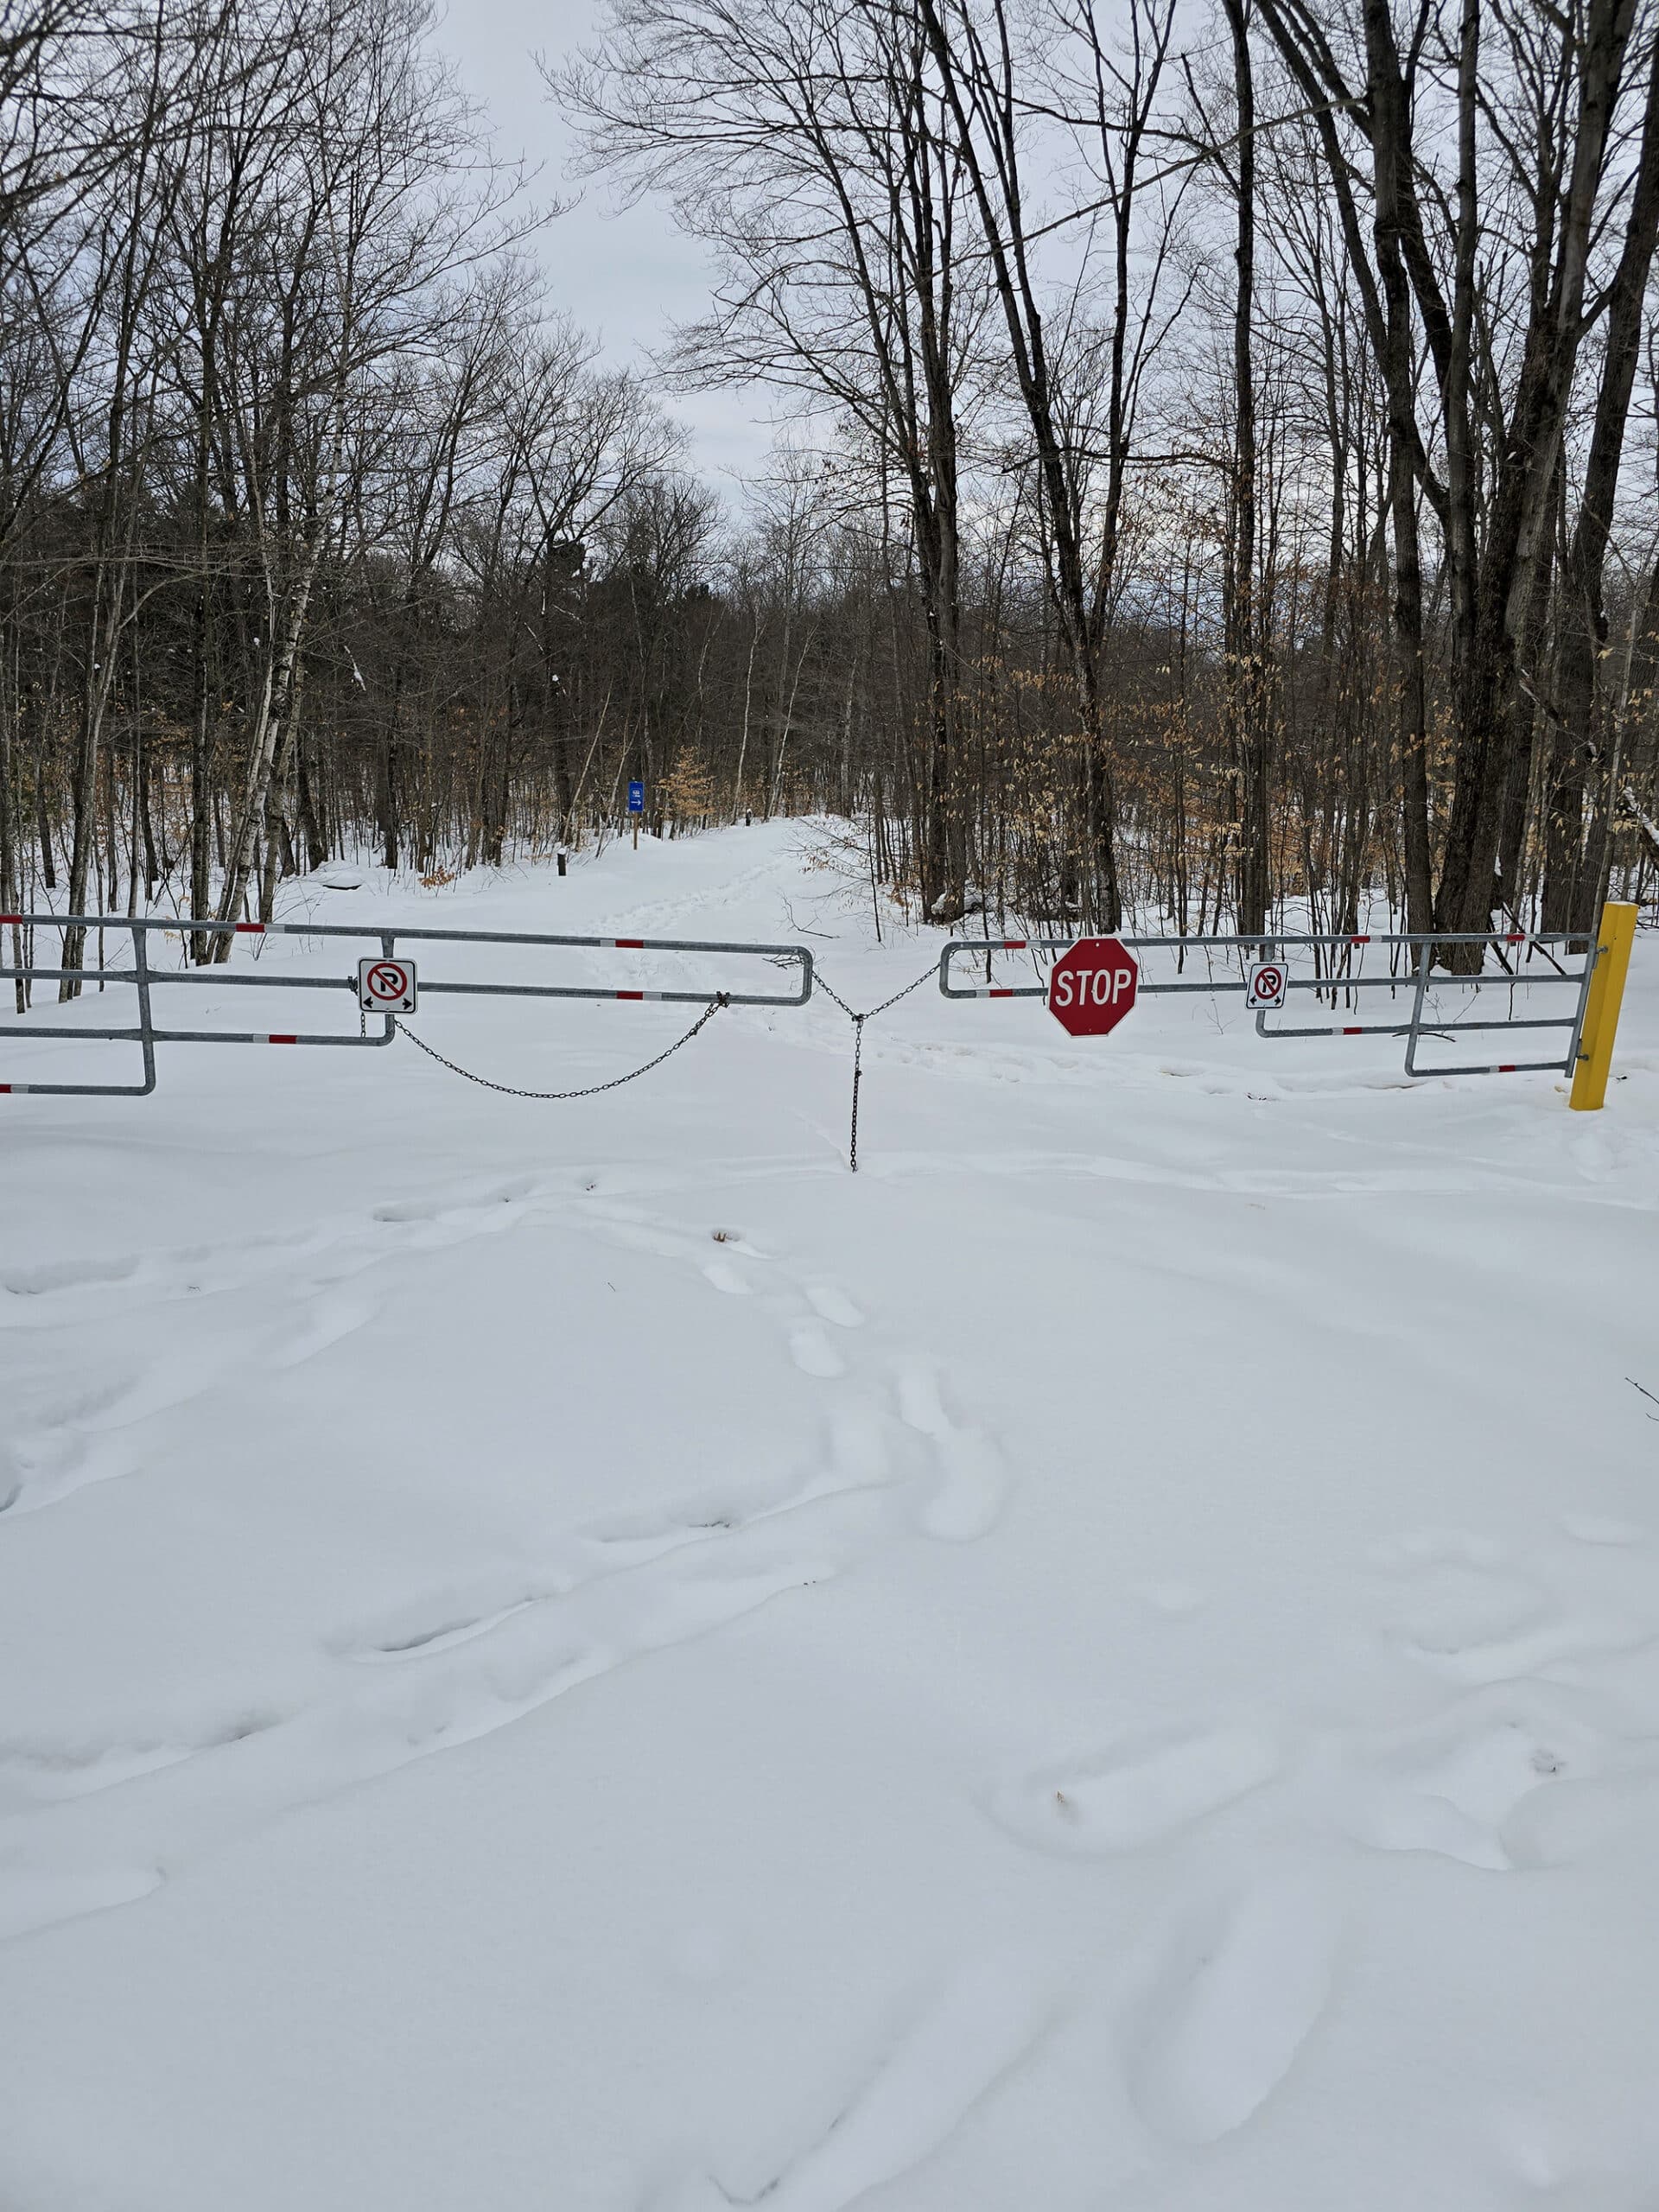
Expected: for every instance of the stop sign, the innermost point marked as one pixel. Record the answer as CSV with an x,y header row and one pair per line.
x,y
1091,986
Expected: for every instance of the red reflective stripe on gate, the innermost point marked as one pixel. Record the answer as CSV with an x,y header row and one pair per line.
x,y
629,943
11,918
1359,940
999,994
1353,1033
249,929
1519,938
630,995
282,1040
1506,1067
5,1086
1013,945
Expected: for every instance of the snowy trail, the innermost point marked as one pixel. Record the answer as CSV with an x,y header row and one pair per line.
x,y
582,1656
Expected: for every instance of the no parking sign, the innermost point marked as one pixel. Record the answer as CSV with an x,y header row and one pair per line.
x,y
385,986
1265,985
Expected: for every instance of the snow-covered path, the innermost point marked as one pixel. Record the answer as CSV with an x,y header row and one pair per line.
x,y
581,1657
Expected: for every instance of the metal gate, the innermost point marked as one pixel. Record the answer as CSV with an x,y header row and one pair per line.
x,y
1336,973
145,977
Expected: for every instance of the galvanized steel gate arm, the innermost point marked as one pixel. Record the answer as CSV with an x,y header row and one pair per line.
x,y
1415,979
145,978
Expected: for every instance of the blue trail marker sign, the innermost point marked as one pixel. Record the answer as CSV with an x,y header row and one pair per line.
x,y
636,798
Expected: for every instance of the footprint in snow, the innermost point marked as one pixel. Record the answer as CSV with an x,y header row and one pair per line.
x,y
1471,1622
813,1353
1538,1647
95,1436
401,1212
1142,1790
329,1320
37,1774
421,1637
482,1676
69,1275
833,1304
1451,1608
654,1530
1511,1777
1240,1992
974,2032
968,1494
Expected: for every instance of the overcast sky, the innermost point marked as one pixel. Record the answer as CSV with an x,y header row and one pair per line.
x,y
623,276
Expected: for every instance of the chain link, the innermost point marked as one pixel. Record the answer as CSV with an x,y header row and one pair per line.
x,y
829,992
858,1022
593,1089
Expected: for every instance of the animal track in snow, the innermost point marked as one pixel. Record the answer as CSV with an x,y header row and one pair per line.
x,y
468,1657
406,1211
637,1230
1241,1993
73,1450
86,1438
969,1483
652,1531
457,1613
1472,1622
326,1321
471,1678
38,1774
1451,1608
1141,1790
48,1774
1548,1645
967,1495
813,1353
69,1275
975,2031
94,1437
420,1632
1451,1787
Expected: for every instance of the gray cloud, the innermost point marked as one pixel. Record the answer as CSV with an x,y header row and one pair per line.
x,y
625,275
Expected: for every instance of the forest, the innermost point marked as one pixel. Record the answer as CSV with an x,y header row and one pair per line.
x,y
1216,477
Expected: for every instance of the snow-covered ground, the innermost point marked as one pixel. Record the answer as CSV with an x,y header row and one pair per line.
x,y
580,1656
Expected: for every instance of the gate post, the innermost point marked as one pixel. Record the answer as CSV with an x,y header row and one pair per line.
x,y
1614,938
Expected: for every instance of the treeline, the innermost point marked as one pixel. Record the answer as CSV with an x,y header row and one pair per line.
x,y
1224,469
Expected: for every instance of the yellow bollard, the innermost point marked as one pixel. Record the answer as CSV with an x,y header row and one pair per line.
x,y
1616,936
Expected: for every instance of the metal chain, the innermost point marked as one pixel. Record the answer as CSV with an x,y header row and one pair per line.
x,y
829,992
592,1090
859,1019
858,1022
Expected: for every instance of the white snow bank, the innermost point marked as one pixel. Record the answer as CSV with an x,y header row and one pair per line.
x,y
581,1657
